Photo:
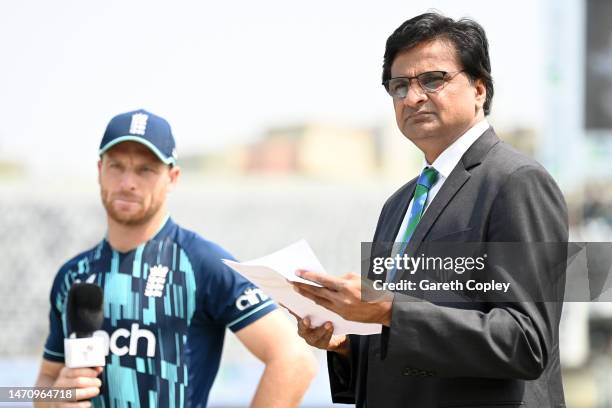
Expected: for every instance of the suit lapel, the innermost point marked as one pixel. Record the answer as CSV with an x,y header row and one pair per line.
x,y
398,213
387,230
458,177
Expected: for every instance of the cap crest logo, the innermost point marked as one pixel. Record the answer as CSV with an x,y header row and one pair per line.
x,y
139,124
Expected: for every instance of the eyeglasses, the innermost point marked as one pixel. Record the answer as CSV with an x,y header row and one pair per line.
x,y
430,82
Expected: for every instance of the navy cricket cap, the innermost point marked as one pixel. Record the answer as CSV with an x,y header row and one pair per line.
x,y
142,127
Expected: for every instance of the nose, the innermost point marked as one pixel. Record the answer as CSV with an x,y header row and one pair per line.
x,y
415,96
128,181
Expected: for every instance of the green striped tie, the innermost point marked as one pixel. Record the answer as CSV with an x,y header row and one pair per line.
x,y
427,179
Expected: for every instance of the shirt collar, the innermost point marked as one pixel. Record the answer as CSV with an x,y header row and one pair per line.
x,y
448,159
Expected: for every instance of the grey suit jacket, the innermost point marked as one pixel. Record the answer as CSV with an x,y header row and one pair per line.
x,y
471,354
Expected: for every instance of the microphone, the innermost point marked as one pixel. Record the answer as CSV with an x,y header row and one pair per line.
x,y
84,315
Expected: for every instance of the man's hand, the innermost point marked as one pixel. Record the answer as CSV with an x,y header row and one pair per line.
x,y
84,380
322,337
342,295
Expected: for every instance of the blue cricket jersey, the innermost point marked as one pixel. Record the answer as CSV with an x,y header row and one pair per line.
x,y
166,306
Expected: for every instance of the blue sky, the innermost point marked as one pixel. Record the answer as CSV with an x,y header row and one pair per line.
x,y
222,72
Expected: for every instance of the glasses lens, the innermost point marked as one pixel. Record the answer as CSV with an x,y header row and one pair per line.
x,y
398,87
431,81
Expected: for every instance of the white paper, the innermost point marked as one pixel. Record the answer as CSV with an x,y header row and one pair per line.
x,y
271,273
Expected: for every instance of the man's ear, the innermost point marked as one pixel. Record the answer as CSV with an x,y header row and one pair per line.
x,y
174,174
99,169
481,93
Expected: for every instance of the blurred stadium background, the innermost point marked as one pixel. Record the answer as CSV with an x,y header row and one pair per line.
x,y
284,133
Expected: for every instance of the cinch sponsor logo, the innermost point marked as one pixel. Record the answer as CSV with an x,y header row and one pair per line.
x,y
251,297
124,341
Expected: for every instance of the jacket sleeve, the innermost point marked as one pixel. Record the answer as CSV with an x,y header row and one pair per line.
x,y
342,373
493,339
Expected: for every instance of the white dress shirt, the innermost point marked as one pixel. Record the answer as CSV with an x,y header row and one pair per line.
x,y
444,164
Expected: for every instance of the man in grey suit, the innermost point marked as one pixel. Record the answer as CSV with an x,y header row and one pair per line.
x,y
474,188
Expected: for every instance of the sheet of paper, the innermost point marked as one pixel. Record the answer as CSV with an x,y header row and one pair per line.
x,y
271,273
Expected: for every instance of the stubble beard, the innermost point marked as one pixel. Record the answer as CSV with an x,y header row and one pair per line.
x,y
140,218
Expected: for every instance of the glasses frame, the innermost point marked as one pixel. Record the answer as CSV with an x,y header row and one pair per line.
x,y
447,77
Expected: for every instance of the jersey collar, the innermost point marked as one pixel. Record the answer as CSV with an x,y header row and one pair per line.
x,y
166,229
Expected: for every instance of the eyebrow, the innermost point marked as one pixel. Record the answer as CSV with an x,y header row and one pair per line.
x,y
147,161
